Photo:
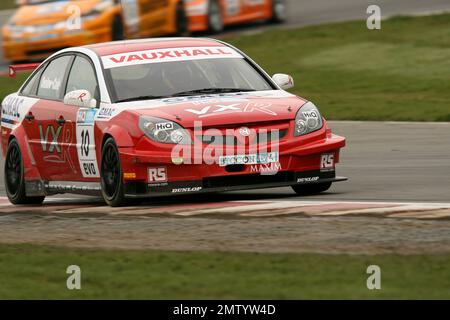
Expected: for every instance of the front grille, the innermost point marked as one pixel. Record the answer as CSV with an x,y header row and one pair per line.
x,y
248,179
260,138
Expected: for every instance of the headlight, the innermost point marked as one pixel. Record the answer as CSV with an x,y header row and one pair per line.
x,y
307,120
164,131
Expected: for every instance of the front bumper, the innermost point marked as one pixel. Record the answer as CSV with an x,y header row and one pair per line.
x,y
231,183
155,173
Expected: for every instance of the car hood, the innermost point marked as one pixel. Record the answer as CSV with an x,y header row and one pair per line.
x,y
50,12
222,110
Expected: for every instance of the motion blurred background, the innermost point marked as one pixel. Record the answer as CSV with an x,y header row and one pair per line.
x,y
397,73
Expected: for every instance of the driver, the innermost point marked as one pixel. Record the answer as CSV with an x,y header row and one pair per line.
x,y
177,76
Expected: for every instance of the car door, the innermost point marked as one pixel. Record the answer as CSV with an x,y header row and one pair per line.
x,y
80,121
44,132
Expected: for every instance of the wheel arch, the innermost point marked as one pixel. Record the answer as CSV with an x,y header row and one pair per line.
x,y
29,163
120,136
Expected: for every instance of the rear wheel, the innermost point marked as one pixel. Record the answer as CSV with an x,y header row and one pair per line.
x,y
111,175
279,11
117,32
181,20
310,189
14,177
215,18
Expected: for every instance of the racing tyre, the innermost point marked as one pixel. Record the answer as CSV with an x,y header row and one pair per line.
x,y
14,177
278,11
117,29
215,18
181,21
111,175
310,189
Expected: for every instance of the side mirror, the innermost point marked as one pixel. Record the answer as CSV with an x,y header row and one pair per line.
x,y
80,98
284,81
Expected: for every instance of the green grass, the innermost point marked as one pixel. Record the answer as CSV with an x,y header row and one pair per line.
x,y
400,72
30,271
10,85
7,4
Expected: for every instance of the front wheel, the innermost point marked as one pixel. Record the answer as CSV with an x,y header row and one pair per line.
x,y
311,189
111,175
182,24
14,177
279,11
215,19
117,30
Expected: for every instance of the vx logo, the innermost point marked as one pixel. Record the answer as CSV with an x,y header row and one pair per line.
x,y
45,138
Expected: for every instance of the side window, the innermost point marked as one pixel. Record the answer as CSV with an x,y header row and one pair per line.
x,y
52,78
82,76
31,86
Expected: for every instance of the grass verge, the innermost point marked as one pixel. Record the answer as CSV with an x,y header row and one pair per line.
x,y
8,4
400,72
39,272
397,73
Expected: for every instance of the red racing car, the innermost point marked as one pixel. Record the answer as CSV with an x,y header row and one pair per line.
x,y
150,117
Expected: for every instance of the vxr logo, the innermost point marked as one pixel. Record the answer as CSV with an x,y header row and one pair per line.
x,y
45,138
212,110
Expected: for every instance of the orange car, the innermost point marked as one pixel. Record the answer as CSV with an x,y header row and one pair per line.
x,y
214,15
41,27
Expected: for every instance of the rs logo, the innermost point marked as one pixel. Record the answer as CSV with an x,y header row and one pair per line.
x,y
157,174
327,161
50,131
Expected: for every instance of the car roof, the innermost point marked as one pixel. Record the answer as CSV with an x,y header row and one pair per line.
x,y
115,47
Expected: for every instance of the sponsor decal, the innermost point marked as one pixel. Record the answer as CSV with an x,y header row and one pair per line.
x,y
11,107
87,156
106,112
158,174
220,109
266,169
86,116
310,114
50,84
164,126
188,189
307,179
244,131
261,158
72,185
177,160
14,108
327,162
168,55
208,98
47,145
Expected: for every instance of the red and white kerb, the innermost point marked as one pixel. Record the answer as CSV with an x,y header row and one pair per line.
x,y
168,55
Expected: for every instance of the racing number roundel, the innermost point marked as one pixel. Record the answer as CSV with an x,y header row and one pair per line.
x,y
86,143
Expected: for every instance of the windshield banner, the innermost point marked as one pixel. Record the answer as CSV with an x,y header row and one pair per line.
x,y
168,55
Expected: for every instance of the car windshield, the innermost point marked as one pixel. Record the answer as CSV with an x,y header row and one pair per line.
x,y
183,78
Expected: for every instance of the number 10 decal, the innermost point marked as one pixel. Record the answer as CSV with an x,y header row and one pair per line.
x,y
86,143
